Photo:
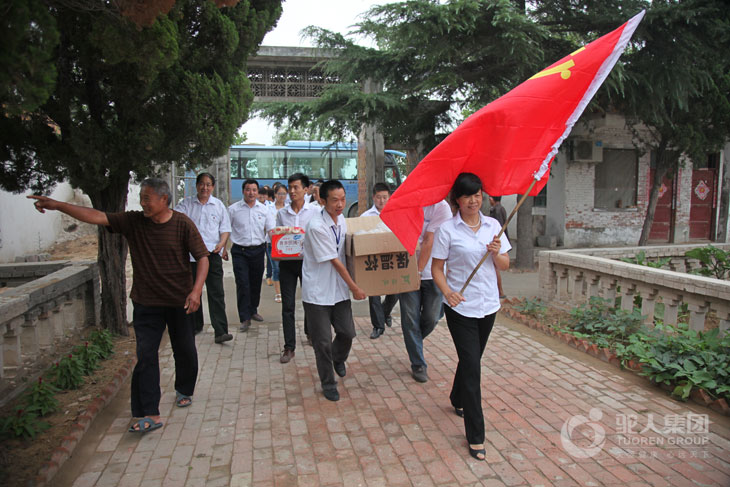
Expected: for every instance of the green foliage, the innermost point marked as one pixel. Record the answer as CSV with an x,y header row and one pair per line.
x,y
88,355
606,325
103,341
431,59
41,399
23,424
715,262
532,307
682,357
640,259
127,102
68,373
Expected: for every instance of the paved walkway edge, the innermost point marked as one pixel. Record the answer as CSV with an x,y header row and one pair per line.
x,y
69,442
697,395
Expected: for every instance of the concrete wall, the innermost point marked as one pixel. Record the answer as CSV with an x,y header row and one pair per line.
x,y
25,231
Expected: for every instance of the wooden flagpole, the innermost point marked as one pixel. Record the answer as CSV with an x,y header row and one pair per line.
x,y
504,227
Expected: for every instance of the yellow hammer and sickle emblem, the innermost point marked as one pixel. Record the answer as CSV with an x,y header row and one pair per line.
x,y
562,69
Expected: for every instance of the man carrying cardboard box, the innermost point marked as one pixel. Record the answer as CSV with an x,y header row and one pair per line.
x,y
380,310
325,283
421,309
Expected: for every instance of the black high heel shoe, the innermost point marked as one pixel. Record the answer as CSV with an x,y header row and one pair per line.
x,y
475,453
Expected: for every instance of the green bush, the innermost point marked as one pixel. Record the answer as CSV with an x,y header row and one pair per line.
x,y
715,262
604,324
640,259
532,307
89,356
68,373
41,398
104,341
23,424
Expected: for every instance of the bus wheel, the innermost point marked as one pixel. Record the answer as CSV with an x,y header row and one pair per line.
x,y
352,212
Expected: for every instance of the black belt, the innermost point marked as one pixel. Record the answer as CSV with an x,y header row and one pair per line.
x,y
250,247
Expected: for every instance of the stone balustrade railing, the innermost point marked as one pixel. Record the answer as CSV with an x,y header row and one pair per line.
x,y
573,276
42,307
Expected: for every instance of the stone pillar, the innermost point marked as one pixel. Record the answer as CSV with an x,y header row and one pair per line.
x,y
576,279
10,353
594,283
648,303
627,296
671,308
608,289
697,314
30,339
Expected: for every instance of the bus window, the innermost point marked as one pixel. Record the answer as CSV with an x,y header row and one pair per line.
x,y
390,178
344,165
235,164
314,164
261,164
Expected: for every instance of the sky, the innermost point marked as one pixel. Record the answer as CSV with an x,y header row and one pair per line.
x,y
335,15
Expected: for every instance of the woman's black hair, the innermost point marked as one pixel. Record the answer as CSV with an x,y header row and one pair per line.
x,y
466,184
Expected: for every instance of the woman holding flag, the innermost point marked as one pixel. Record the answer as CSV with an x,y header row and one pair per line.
x,y
460,244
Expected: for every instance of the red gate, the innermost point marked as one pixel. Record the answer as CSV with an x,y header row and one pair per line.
x,y
702,204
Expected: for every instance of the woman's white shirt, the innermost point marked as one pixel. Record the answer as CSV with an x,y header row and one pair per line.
x,y
462,249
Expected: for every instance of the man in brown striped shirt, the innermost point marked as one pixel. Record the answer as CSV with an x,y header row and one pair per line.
x,y
163,291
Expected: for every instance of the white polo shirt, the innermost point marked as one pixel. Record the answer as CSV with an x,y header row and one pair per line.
x,y
286,217
249,225
321,283
372,211
433,217
462,249
211,219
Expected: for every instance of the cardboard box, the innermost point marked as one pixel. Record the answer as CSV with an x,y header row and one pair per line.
x,y
287,245
378,262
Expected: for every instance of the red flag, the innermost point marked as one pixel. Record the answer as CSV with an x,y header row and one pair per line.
x,y
511,141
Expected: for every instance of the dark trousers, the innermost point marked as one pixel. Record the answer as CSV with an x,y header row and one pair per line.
x,y
289,272
327,351
216,297
149,324
248,269
470,336
380,310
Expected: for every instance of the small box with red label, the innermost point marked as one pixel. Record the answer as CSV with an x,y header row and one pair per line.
x,y
287,243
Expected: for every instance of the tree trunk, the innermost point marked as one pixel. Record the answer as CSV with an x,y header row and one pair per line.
x,y
662,167
112,257
525,238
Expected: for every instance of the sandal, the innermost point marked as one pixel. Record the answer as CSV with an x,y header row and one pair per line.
x,y
181,398
459,412
144,425
474,452
277,298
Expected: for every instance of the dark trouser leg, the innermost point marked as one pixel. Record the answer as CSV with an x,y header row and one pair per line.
x,y
377,315
344,331
149,324
320,331
241,274
410,311
196,319
184,352
470,336
388,304
326,351
431,307
256,262
216,295
289,272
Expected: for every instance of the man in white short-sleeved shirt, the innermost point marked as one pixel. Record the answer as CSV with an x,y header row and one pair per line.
x,y
295,214
251,220
421,309
211,218
325,283
380,309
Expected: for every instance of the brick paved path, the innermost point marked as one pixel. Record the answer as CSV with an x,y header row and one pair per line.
x,y
257,422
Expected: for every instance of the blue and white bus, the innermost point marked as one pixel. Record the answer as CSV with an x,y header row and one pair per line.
x,y
318,160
